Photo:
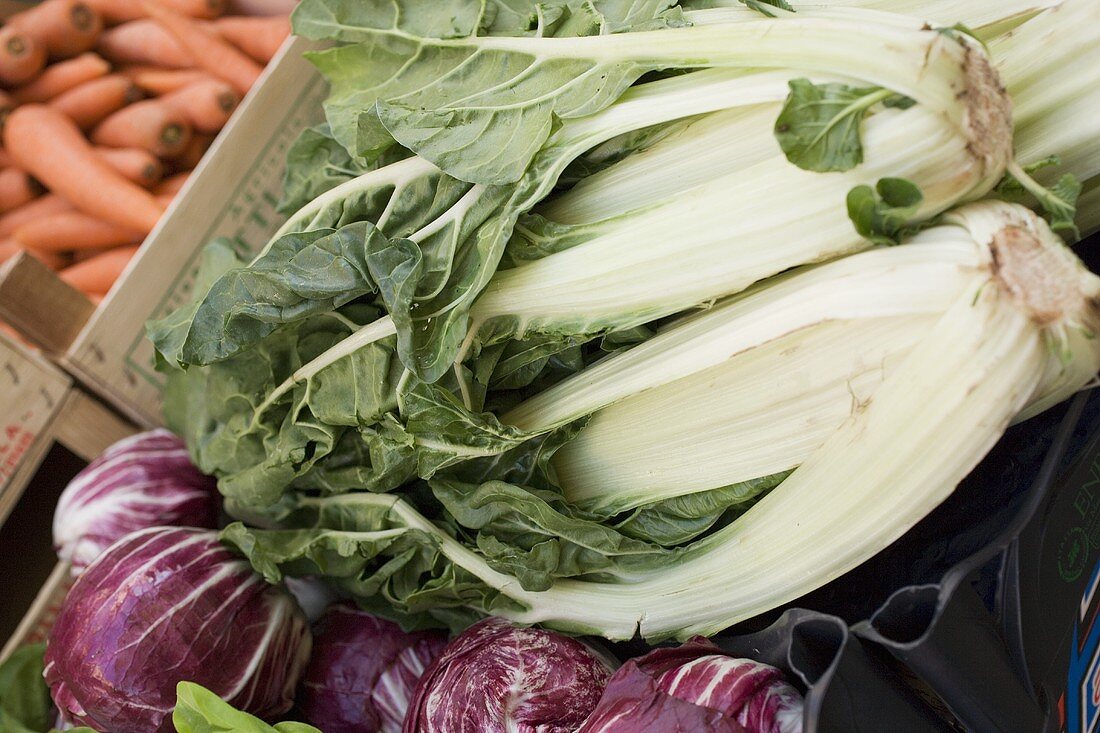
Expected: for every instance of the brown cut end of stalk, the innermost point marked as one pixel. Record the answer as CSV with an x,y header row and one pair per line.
x,y
1038,276
988,111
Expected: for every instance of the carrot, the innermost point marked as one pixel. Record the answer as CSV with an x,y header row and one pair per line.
x,y
41,207
172,184
96,275
120,11
207,105
150,125
208,51
65,27
71,230
17,189
166,199
144,42
21,57
260,38
90,103
157,81
49,146
62,77
135,164
10,248
5,159
190,157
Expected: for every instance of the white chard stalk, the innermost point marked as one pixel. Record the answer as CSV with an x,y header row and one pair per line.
x,y
1016,335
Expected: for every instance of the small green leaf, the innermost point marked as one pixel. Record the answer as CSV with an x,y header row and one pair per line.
x,y
1059,201
200,711
767,7
883,214
24,696
898,101
819,127
961,29
1010,188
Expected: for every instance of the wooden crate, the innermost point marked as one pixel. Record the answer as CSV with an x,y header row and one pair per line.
x,y
42,407
233,192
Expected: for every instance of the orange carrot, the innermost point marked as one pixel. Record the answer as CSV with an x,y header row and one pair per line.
x,y
208,50
97,274
135,164
260,38
10,248
72,230
5,159
21,57
120,11
157,81
143,42
41,207
49,146
172,184
190,157
90,103
62,77
207,105
166,199
17,189
150,125
65,27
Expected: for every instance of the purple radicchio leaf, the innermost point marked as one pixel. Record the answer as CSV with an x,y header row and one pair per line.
x,y
754,697
498,678
633,702
146,480
363,671
166,605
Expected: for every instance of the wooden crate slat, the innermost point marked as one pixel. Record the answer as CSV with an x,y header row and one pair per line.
x,y
233,193
87,427
32,393
40,305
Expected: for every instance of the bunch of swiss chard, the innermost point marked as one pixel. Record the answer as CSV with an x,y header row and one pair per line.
x,y
530,342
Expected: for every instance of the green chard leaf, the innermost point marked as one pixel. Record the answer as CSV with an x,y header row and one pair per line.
x,y
368,550
317,163
819,126
685,518
301,275
377,97
884,214
200,711
537,536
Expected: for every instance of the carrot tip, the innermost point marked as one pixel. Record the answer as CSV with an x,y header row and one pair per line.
x,y
227,101
172,134
83,17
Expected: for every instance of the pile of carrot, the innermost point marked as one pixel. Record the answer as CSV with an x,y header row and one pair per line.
x,y
105,107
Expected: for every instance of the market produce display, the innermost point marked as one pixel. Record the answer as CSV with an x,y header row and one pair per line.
x,y
419,353
589,322
106,107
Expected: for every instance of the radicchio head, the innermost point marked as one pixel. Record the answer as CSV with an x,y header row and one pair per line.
x,y
166,605
696,687
497,678
146,480
363,671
